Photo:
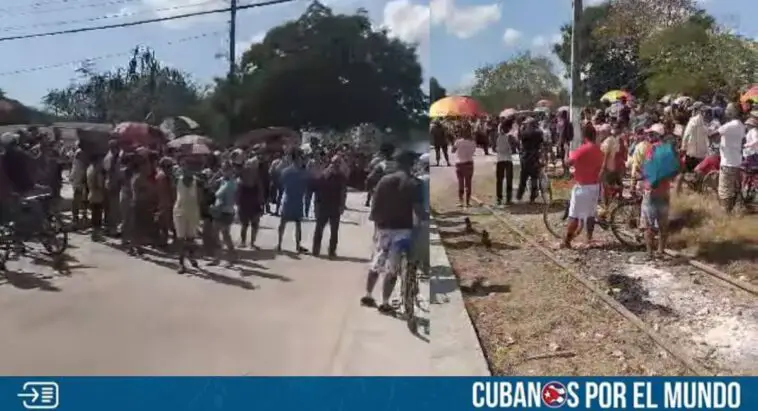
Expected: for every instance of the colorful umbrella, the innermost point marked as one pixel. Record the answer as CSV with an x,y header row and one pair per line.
x,y
190,139
544,103
750,95
139,134
509,112
615,95
455,106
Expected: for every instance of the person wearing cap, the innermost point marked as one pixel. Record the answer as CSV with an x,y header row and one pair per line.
x,y
694,142
397,199
654,216
330,195
732,135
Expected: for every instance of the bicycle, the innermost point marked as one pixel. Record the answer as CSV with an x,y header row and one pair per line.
x,y
621,218
32,218
409,288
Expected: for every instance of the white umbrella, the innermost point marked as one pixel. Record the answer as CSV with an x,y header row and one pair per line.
x,y
564,108
190,139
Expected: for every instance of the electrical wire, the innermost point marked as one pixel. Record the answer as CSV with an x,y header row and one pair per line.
x,y
107,56
35,11
110,16
141,22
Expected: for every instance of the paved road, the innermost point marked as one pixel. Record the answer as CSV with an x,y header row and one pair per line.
x,y
275,315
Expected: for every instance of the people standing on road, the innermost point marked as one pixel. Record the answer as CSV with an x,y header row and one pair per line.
x,y
396,199
439,140
614,154
223,214
186,214
166,193
464,148
565,131
293,181
587,161
277,167
251,197
381,165
114,179
531,144
96,195
315,168
421,227
504,148
732,137
78,180
330,190
142,201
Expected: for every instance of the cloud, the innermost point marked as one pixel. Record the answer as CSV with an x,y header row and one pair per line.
x,y
464,21
407,21
169,8
511,36
242,46
539,41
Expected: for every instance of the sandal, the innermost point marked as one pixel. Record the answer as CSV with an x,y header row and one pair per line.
x,y
368,302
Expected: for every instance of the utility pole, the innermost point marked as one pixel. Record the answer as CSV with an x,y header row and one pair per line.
x,y
231,75
576,72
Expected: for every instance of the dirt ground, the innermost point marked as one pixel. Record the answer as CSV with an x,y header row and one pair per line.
x,y
711,322
532,318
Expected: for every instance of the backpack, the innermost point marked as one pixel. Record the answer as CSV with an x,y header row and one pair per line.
x,y
661,163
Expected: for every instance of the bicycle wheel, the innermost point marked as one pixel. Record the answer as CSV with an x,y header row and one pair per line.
x,y
409,290
624,220
546,191
557,221
54,236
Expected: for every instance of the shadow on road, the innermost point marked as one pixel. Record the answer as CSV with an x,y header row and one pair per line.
x,y
26,280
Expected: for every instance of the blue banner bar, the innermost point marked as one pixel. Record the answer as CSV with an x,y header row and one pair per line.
x,y
375,394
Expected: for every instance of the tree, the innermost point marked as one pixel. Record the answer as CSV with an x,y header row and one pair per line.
x,y
144,87
612,34
326,71
516,83
436,91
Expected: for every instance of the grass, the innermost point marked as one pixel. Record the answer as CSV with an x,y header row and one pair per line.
x,y
702,229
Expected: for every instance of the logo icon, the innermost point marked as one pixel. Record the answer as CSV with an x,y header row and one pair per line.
x,y
553,394
39,395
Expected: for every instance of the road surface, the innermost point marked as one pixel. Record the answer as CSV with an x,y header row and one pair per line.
x,y
276,314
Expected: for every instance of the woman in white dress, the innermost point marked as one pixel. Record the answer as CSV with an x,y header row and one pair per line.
x,y
186,214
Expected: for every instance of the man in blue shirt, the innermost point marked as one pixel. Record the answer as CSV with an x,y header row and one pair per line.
x,y
293,181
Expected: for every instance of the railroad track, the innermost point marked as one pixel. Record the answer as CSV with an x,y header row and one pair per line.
x,y
686,359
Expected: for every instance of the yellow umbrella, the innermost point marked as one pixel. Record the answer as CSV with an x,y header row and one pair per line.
x,y
616,95
455,106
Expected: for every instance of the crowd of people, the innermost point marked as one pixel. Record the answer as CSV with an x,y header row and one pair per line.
x,y
657,146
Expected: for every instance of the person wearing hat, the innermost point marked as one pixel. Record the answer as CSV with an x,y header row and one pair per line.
x,y
397,199
654,216
694,142
732,135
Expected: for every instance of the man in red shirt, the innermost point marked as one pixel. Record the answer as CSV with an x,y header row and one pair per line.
x,y
587,161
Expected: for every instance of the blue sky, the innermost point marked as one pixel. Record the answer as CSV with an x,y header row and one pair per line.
x,y
455,38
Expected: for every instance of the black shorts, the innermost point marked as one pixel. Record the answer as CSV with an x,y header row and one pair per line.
x,y
690,163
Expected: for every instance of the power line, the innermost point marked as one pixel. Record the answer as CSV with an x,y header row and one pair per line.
x,y
109,16
37,10
141,22
106,56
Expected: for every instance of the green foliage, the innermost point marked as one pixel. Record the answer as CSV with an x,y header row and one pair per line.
x,y
653,48
436,91
516,83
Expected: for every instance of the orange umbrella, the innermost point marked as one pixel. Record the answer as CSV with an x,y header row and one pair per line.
x,y
750,95
455,106
616,95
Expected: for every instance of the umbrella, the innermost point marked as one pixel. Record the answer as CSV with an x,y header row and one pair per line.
x,y
564,108
750,95
542,109
509,112
179,126
190,139
616,95
193,149
455,106
544,103
140,134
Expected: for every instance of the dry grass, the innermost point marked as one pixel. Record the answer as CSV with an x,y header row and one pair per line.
x,y
705,231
